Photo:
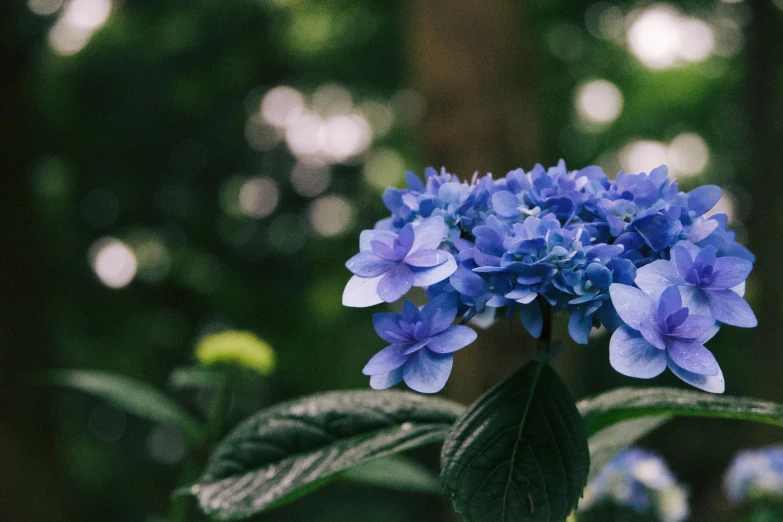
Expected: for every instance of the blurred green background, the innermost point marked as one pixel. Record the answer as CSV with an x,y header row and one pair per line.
x,y
172,168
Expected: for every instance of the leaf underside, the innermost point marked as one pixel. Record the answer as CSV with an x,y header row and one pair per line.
x,y
285,452
618,418
519,453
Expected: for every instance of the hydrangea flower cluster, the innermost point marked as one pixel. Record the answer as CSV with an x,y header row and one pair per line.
x,y
755,474
634,254
641,480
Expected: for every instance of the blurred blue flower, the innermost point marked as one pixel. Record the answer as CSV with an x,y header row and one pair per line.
x,y
660,333
755,474
422,343
641,480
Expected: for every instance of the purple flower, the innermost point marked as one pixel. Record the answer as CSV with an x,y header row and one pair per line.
x,y
709,285
389,264
422,343
660,334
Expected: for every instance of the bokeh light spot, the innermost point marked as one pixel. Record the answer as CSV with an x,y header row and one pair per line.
x,y
384,168
310,178
113,262
258,197
643,156
688,154
599,101
330,215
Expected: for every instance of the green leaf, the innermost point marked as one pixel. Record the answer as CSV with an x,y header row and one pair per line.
x,y
396,472
286,451
618,418
629,403
519,453
198,377
128,394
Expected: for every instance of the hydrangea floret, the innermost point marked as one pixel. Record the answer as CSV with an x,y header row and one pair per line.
x,y
640,480
633,254
755,474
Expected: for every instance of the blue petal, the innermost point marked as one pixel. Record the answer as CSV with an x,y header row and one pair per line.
x,y
702,199
727,307
366,238
729,272
532,319
405,238
395,283
367,264
429,234
436,274
468,283
712,383
427,372
387,326
414,182
489,241
579,326
694,327
438,314
452,339
361,292
652,334
631,304
669,302
388,359
695,300
426,258
386,380
410,313
631,355
505,204
691,356
599,275
657,276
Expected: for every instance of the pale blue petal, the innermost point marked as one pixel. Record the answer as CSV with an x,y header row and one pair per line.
x,y
694,327
367,264
425,258
691,356
427,372
669,302
702,199
429,234
438,314
708,383
532,319
695,300
631,304
631,355
452,339
657,276
505,204
395,283
729,272
652,333
414,182
361,292
727,307
386,237
436,274
386,380
388,359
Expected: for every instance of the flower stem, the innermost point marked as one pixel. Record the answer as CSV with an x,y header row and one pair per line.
x,y
545,339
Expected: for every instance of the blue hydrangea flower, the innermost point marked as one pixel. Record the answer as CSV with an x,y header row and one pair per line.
x,y
710,285
560,240
641,480
660,333
755,474
422,344
389,264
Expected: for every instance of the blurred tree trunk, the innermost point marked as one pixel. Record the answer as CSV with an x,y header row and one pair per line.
x,y
31,489
472,63
765,108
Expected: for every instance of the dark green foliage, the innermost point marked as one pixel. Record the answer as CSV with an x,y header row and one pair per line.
x,y
288,450
519,453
